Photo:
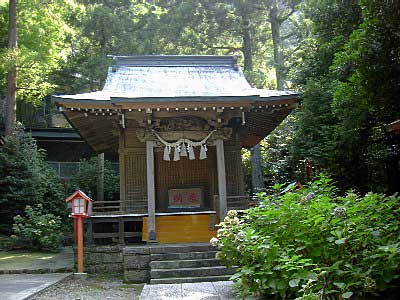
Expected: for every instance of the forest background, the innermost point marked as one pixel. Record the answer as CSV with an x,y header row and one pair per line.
x,y
343,56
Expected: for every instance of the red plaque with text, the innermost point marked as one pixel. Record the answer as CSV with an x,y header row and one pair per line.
x,y
185,198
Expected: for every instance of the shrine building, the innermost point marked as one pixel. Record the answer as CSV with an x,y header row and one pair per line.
x,y
178,124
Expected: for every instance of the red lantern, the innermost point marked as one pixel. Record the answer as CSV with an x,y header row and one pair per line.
x,y
81,204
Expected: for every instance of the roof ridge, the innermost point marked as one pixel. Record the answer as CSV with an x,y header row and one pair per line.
x,y
175,60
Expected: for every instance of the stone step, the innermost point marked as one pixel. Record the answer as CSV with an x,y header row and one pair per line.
x,y
191,272
181,248
189,279
183,256
177,264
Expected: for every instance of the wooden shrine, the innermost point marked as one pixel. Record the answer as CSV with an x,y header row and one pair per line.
x,y
179,124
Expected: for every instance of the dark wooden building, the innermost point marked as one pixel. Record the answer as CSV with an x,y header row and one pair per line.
x,y
179,124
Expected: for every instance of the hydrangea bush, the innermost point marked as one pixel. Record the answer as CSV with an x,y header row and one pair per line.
x,y
37,230
313,244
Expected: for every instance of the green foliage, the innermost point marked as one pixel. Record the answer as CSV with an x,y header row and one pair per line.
x,y
313,244
86,179
42,34
26,179
37,229
350,78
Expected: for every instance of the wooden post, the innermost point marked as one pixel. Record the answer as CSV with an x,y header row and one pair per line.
x,y
221,179
121,231
100,177
75,231
89,239
122,167
151,198
79,221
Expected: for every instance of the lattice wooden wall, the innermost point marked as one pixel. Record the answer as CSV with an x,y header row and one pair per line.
x,y
233,167
135,181
134,173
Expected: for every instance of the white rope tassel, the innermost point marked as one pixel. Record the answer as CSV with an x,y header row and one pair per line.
x,y
191,152
176,154
183,150
203,152
167,151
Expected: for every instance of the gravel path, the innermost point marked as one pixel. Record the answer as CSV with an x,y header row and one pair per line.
x,y
93,288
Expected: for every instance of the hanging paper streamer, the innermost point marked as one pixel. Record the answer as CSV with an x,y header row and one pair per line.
x,y
203,152
167,151
191,152
176,154
184,147
183,150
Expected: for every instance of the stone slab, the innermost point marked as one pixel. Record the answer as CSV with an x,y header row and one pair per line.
x,y
136,250
136,276
189,291
137,262
199,290
25,286
225,290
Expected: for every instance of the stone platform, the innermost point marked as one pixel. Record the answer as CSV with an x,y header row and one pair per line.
x,y
158,263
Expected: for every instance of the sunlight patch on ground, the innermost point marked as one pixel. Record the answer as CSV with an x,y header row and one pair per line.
x,y
46,257
8,257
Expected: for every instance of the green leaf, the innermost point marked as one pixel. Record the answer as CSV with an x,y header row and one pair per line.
x,y
340,241
339,284
236,276
294,282
347,295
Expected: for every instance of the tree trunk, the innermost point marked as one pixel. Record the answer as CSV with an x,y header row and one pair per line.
x,y
257,176
11,104
247,49
277,45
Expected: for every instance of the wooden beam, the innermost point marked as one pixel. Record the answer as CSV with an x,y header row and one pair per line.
x,y
221,179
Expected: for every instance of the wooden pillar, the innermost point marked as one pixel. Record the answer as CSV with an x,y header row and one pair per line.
x,y
89,233
100,177
151,193
122,168
121,230
221,179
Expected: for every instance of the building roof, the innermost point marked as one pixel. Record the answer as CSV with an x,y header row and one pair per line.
x,y
57,134
394,127
156,78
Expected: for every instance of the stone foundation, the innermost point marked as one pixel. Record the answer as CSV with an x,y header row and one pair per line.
x,y
103,259
131,262
136,264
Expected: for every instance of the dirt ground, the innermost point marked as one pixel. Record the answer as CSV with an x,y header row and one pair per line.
x,y
92,288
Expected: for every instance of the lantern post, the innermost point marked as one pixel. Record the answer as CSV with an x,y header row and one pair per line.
x,y
81,207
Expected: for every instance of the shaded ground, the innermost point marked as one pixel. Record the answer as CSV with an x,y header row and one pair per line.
x,y
93,288
37,262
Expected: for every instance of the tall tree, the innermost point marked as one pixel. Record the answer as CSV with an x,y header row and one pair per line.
x,y
11,103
